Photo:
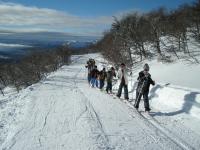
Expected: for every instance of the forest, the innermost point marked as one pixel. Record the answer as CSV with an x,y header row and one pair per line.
x,y
161,33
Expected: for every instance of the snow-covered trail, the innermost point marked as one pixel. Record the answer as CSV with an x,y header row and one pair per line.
x,y
65,113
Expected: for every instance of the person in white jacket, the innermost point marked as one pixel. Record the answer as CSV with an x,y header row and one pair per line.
x,y
123,77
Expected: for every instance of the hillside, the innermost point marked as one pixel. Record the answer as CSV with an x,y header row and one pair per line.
x,y
63,112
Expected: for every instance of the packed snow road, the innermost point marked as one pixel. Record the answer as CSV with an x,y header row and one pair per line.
x,y
64,113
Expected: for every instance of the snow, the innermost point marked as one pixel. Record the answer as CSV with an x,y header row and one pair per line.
x,y
178,73
63,112
13,45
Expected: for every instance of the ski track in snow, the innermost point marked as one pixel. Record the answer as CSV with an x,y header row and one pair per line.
x,y
65,113
155,124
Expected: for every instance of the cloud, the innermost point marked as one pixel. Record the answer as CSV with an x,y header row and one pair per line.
x,y
19,17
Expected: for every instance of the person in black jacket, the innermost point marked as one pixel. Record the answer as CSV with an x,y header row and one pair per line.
x,y
143,88
90,65
94,75
102,77
109,77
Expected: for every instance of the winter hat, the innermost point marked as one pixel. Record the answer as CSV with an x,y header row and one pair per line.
x,y
112,68
146,67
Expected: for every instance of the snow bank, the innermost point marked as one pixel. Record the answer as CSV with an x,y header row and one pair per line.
x,y
169,100
174,100
179,73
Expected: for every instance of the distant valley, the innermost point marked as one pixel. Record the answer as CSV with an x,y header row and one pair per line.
x,y
14,46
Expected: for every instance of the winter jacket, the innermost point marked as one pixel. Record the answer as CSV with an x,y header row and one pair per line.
x,y
102,75
121,75
90,68
94,73
110,76
144,82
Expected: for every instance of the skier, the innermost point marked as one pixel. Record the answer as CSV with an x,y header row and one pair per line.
x,y
109,77
94,75
90,65
143,88
123,76
102,76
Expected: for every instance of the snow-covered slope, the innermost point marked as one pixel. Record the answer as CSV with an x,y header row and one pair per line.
x,y
180,73
63,112
183,69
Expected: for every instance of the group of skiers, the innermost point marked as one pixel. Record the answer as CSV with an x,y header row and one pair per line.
x,y
97,78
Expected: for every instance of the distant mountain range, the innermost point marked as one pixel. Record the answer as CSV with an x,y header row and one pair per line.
x,y
14,45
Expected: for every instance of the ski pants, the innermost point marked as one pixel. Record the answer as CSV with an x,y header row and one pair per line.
x,y
101,84
94,82
89,78
97,83
146,100
125,86
109,86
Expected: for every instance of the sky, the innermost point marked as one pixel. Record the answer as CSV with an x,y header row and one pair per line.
x,y
77,17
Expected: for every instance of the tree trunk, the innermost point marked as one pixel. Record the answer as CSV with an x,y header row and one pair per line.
x,y
143,50
184,41
179,43
158,47
198,30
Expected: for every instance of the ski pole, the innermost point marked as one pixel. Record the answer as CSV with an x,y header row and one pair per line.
x,y
140,92
85,72
133,87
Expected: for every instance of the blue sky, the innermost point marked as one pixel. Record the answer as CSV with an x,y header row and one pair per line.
x,y
72,16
